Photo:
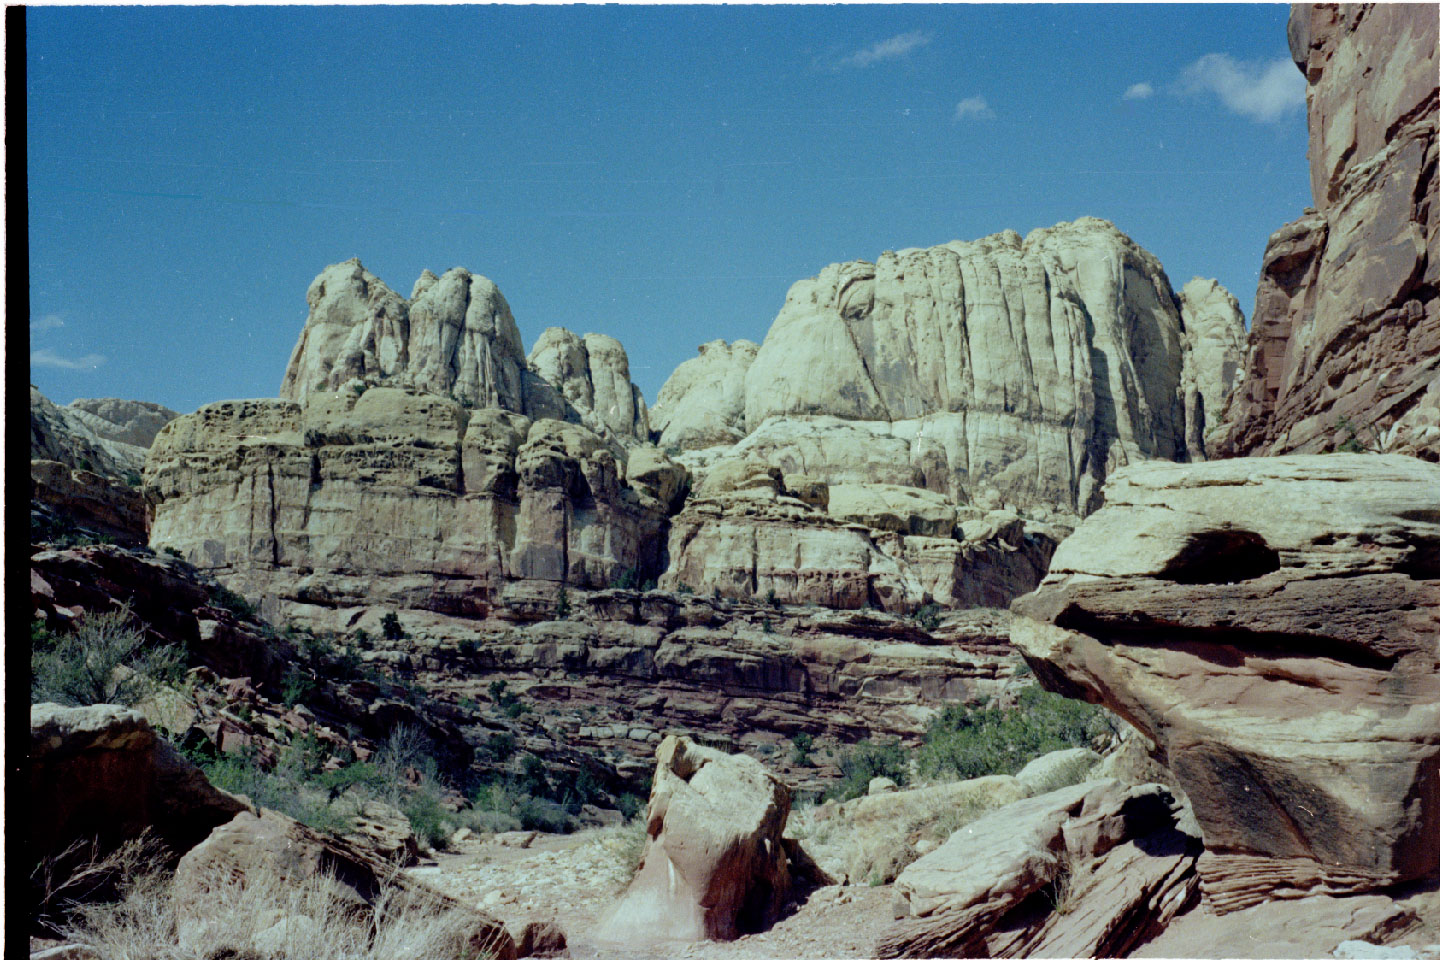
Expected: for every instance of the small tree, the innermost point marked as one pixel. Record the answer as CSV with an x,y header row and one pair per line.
x,y
390,624
562,605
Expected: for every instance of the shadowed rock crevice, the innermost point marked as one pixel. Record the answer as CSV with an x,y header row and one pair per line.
x,y
1222,556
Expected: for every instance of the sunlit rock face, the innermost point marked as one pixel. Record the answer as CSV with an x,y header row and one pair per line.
x,y
1000,372
399,496
456,337
1345,343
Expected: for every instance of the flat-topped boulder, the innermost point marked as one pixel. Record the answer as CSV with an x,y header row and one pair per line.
x,y
1271,625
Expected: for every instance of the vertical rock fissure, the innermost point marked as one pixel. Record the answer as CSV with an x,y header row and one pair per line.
x,y
274,509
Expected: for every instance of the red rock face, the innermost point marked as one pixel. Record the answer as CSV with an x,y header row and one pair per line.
x,y
1345,342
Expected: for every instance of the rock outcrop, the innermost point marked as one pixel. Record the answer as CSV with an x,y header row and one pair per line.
x,y
456,337
1001,371
106,436
702,404
280,846
271,493
592,374
1089,870
747,533
1214,352
85,463
100,774
716,865
1271,625
1345,343
63,498
124,421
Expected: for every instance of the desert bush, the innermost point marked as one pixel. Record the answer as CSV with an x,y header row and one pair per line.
x,y
927,618
800,748
106,659
84,873
390,626
865,761
967,742
232,601
562,605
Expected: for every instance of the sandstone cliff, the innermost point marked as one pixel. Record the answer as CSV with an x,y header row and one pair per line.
x,y
85,463
456,337
401,496
1345,342
998,372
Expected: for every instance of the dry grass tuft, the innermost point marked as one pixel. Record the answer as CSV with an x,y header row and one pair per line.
x,y
255,914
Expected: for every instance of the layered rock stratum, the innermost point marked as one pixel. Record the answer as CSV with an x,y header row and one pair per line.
x,y
1345,342
1272,626
85,464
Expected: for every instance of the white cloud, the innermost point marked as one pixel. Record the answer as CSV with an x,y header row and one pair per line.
x,y
48,322
1138,91
973,107
900,45
1260,90
49,358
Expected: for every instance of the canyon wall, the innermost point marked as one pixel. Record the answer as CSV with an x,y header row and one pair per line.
x,y
1345,342
1000,372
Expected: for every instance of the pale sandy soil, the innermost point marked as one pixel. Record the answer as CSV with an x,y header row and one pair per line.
x,y
573,880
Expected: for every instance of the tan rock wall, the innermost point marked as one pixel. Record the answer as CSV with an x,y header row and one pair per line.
x,y
359,493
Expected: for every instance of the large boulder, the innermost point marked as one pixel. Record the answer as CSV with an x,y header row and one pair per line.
x,y
100,774
1271,626
1345,341
592,374
1088,870
277,845
715,865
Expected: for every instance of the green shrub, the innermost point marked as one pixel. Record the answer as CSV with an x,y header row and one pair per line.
x,y
864,762
132,479
968,742
538,813
630,805
562,605
800,748
927,617
771,599
390,624
468,648
430,821
298,686
174,553
105,660
232,601
627,579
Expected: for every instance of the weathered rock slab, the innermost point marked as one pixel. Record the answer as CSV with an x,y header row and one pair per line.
x,y
1271,625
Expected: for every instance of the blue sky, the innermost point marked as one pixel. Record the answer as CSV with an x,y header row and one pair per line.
x,y
660,174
